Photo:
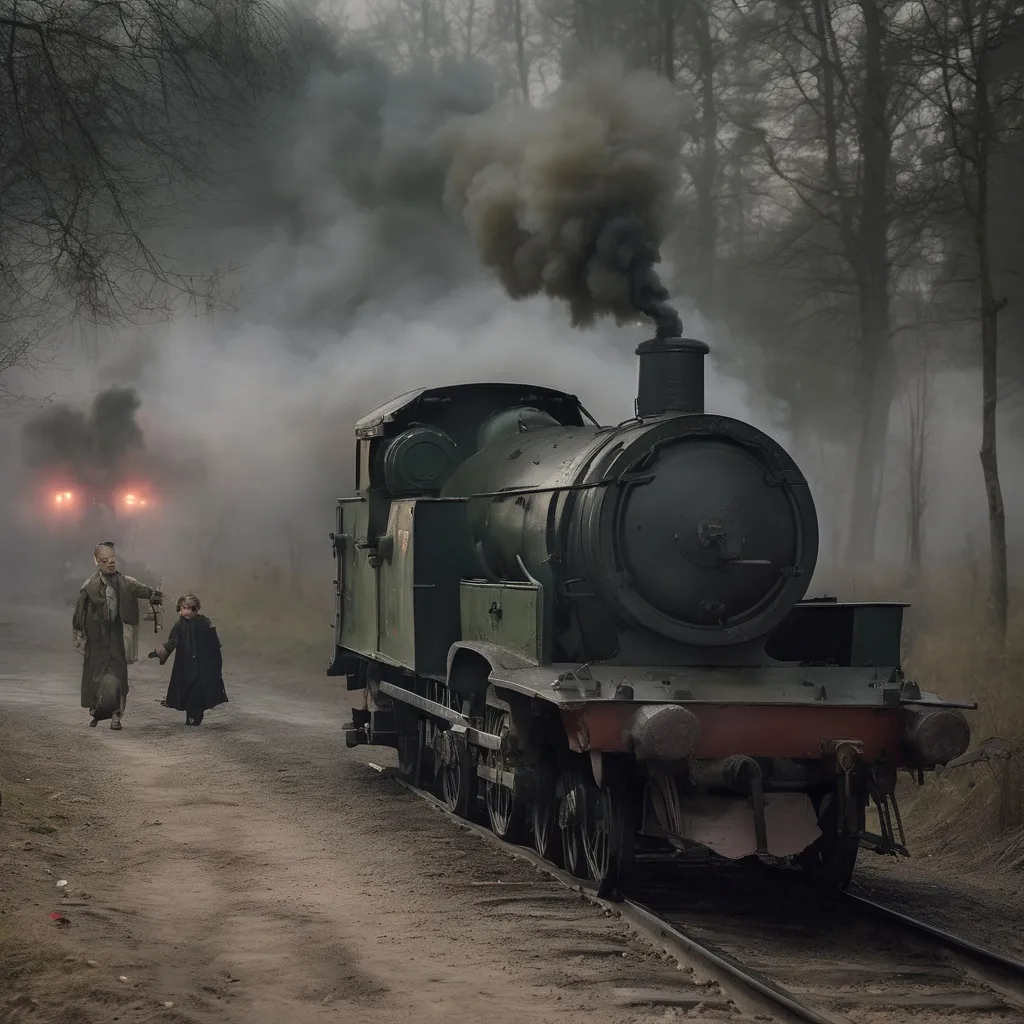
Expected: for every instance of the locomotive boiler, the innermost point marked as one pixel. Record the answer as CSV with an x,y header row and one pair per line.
x,y
598,636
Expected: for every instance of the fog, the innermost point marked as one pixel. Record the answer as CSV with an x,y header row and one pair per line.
x,y
352,281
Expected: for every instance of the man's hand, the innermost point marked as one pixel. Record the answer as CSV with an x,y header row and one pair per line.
x,y
157,653
157,598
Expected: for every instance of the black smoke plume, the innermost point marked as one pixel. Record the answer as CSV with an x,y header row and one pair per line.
x,y
96,446
574,200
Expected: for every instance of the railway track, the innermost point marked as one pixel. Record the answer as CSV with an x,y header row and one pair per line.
x,y
780,951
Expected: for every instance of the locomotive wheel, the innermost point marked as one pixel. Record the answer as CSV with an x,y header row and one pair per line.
x,y
829,861
506,808
571,796
547,839
609,832
458,776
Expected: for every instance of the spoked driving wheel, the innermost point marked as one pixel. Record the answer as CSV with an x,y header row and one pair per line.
x,y
609,832
547,839
457,771
506,808
570,797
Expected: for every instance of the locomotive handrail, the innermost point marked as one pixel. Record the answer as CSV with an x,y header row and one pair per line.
x,y
514,491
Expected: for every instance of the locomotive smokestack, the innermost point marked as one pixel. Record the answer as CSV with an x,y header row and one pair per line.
x,y
671,376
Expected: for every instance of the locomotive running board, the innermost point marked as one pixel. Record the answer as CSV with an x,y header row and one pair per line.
x,y
474,736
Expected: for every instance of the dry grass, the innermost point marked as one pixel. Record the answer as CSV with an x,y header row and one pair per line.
x,y
975,812
263,613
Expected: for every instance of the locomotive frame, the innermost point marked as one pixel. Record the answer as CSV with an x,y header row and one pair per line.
x,y
508,654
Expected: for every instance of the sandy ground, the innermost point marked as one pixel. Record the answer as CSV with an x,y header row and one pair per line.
x,y
255,870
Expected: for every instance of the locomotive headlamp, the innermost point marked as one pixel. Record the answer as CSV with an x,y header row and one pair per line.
x,y
64,499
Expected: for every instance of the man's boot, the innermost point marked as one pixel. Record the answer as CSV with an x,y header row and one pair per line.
x,y
115,718
93,719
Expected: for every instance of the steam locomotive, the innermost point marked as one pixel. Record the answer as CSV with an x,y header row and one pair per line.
x,y
597,637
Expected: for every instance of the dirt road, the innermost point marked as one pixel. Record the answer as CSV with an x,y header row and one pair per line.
x,y
254,870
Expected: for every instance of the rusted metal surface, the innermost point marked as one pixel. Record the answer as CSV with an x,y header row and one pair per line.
x,y
755,730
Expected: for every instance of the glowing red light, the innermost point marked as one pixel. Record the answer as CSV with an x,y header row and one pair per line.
x,y
63,499
131,500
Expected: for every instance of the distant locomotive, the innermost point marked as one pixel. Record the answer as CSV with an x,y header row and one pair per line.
x,y
594,634
64,514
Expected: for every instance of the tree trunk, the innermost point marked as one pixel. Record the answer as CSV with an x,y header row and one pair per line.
x,y
871,260
998,596
470,16
668,39
707,171
520,39
877,387
918,403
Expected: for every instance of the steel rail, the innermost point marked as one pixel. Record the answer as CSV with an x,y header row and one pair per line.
x,y
646,918
642,917
989,957
734,968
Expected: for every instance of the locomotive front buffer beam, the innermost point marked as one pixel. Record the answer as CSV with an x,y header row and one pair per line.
x,y
671,741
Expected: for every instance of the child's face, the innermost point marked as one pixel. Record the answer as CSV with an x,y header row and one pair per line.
x,y
187,611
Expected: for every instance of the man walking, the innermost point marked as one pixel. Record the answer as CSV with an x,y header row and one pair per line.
x,y
107,602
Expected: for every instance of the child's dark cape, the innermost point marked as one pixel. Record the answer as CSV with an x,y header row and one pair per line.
x,y
201,688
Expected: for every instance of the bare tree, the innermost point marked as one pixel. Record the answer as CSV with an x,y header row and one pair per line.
x,y
512,25
102,110
841,68
917,404
970,86
703,55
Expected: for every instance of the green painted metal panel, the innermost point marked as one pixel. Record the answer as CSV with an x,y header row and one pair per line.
x,y
507,614
444,555
395,581
876,635
357,580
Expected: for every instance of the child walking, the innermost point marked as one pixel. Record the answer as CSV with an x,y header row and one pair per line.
x,y
197,681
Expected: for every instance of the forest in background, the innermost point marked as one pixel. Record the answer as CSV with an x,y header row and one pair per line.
x,y
849,213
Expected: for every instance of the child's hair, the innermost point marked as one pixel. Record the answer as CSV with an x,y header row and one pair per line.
x,y
190,599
